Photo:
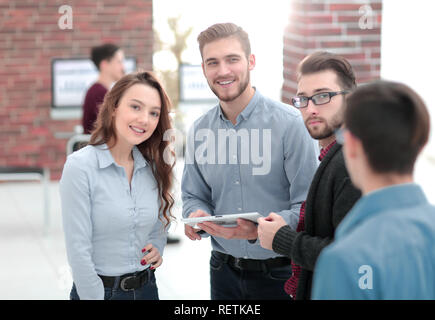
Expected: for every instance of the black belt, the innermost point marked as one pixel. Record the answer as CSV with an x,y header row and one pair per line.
x,y
127,282
253,264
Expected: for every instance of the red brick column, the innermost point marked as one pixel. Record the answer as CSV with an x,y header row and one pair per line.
x,y
349,28
29,38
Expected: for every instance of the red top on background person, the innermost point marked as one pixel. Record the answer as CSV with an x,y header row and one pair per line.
x,y
108,58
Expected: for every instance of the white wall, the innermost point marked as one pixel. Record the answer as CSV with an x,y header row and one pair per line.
x,y
407,53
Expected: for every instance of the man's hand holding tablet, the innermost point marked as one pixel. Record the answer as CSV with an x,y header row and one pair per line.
x,y
189,231
244,229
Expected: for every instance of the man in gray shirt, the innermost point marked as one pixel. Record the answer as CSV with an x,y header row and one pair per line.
x,y
248,154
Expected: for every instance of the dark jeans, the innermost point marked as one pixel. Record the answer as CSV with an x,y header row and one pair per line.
x,y
228,283
147,292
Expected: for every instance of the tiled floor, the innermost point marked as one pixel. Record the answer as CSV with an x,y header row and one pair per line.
x,y
34,266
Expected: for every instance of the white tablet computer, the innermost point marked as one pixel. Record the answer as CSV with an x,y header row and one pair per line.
x,y
224,220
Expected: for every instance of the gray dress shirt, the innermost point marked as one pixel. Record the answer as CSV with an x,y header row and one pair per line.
x,y
106,221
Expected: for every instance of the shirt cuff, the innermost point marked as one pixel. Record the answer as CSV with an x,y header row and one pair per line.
x,y
283,241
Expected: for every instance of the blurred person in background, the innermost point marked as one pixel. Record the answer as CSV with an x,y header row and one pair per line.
x,y
109,60
115,195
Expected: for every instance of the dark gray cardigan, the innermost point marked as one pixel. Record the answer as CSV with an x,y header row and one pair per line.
x,y
329,199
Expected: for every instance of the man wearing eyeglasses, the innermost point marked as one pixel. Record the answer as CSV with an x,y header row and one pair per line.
x,y
323,81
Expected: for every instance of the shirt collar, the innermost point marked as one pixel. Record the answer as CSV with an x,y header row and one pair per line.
x,y
324,151
139,160
105,158
247,111
394,197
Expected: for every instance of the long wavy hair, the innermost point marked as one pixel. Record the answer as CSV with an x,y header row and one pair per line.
x,y
154,147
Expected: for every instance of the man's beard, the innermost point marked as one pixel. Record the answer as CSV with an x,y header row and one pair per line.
x,y
241,88
328,130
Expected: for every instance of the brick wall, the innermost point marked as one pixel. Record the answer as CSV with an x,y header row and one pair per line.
x,y
351,28
29,38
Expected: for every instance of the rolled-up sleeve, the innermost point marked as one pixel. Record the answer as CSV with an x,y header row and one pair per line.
x,y
77,224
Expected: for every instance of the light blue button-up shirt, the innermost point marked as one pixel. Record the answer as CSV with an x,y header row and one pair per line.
x,y
106,222
264,163
383,249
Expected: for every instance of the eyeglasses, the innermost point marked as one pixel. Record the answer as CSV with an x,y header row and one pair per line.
x,y
318,99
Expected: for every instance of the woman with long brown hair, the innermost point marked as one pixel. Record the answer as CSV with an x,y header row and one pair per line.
x,y
115,195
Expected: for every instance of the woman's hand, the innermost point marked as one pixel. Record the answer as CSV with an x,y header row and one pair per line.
x,y
152,256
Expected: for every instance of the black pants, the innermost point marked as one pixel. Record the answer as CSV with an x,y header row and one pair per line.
x,y
231,283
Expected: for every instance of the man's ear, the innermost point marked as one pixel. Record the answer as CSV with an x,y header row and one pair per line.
x,y
353,145
103,64
251,62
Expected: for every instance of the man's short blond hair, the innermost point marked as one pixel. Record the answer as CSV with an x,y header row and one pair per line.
x,y
224,30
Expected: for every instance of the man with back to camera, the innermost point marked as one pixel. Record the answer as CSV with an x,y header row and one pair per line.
x,y
109,60
384,248
323,81
230,180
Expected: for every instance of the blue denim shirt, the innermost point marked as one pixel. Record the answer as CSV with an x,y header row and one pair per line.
x,y
107,223
383,249
264,163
